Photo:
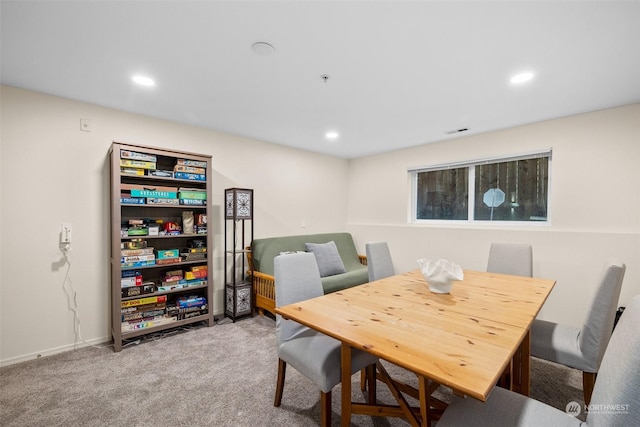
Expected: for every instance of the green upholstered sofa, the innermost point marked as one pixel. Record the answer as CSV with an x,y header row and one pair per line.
x,y
263,251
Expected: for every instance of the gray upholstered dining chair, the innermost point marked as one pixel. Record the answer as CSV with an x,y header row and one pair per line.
x,y
379,262
312,353
515,259
583,348
615,402
511,258
379,266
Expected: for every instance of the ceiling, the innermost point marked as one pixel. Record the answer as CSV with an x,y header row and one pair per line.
x,y
402,73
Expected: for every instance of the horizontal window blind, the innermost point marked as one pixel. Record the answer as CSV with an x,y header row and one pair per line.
x,y
485,161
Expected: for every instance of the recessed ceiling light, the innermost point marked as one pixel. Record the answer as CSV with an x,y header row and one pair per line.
x,y
143,80
262,48
332,135
521,78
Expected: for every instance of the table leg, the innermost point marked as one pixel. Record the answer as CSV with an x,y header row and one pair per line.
x,y
402,402
423,387
520,377
525,372
371,384
345,356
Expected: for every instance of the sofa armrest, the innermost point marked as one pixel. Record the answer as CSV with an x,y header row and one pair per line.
x,y
264,292
264,288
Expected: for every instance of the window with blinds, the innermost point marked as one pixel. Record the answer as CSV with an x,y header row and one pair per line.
x,y
505,189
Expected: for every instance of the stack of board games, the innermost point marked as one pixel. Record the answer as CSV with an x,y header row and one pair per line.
x,y
201,223
135,227
135,253
144,312
137,164
192,196
139,194
186,307
179,279
196,275
140,164
155,227
171,280
192,170
168,256
133,285
171,228
195,251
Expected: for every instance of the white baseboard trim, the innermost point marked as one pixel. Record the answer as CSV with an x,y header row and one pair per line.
x,y
50,352
57,350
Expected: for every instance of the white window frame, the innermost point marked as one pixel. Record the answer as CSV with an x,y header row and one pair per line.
x,y
470,164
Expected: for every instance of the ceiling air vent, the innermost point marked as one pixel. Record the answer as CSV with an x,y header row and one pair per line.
x,y
451,132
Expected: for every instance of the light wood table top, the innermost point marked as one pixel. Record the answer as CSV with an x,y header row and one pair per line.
x,y
464,339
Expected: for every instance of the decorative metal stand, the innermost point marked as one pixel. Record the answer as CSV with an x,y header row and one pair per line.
x,y
238,225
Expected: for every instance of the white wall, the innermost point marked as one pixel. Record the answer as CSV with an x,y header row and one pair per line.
x,y
51,172
594,205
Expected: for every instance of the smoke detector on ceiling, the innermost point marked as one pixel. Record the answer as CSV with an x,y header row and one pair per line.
x,y
262,48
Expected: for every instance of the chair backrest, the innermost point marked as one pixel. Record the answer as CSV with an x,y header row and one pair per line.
x,y
379,262
297,278
616,394
511,258
596,330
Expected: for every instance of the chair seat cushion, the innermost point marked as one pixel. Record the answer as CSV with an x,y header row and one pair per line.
x,y
504,408
317,357
345,280
558,343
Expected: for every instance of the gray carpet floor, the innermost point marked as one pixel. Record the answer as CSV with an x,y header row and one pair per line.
x,y
219,376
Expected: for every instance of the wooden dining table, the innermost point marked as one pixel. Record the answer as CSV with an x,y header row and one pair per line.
x,y
465,340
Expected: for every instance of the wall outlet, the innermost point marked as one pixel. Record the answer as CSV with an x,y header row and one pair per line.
x,y
65,235
85,125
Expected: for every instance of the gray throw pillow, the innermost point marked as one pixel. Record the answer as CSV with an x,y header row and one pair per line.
x,y
327,257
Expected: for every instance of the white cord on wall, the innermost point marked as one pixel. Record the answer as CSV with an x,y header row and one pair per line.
x,y
72,296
